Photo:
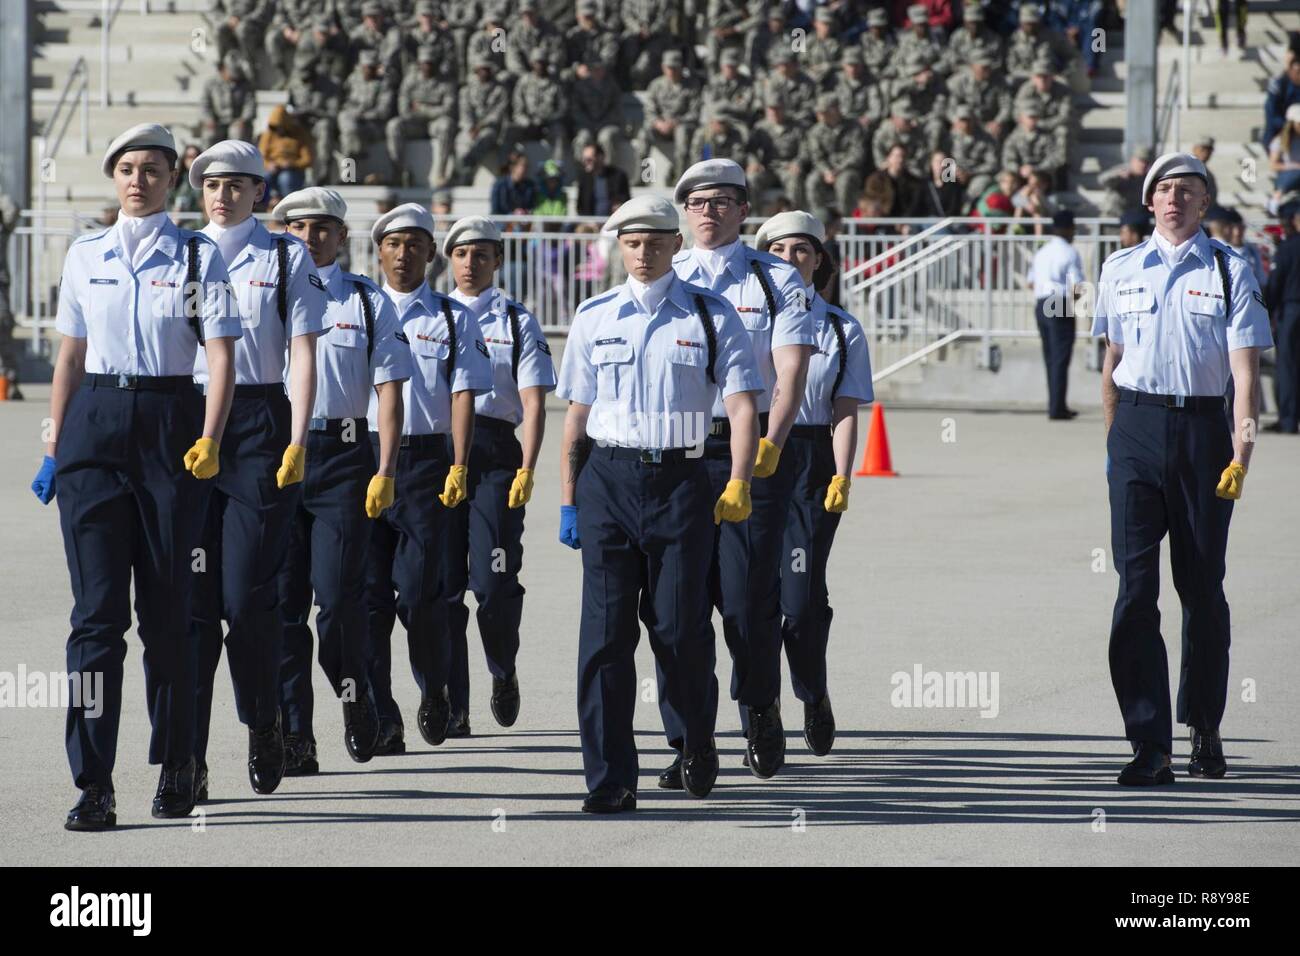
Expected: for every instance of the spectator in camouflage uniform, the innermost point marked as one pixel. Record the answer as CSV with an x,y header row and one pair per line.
x,y
368,106
325,48
488,44
717,138
989,100
539,108
835,154
527,36
878,45
917,43
672,108
463,18
1123,183
229,103
974,152
822,56
792,86
727,22
976,36
769,35
1055,102
927,95
645,39
901,129
775,154
484,112
587,40
427,34
1028,148
732,95
242,28
426,107
861,98
377,34
316,102
290,23
596,110
1031,42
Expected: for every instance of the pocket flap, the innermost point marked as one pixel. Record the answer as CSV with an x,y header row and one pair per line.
x,y
1205,302
611,353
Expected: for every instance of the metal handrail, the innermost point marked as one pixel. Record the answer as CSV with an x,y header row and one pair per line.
x,y
1171,110
80,70
109,10
893,250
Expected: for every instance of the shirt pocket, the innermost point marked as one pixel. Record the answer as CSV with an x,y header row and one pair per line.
x,y
258,303
430,353
687,365
754,318
1206,313
613,363
1133,303
347,338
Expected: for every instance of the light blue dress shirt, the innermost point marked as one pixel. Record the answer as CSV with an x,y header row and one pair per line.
x,y
824,366
536,368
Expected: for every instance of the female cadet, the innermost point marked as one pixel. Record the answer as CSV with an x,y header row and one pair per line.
x,y
641,370
135,302
282,307
485,540
822,443
330,532
408,543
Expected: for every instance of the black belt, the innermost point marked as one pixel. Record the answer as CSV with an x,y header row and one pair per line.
x,y
333,426
647,456
260,391
423,442
814,432
721,427
138,383
1191,403
497,425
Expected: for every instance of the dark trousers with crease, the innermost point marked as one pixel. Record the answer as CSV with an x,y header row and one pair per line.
x,y
1164,466
130,514
404,573
485,551
1057,334
245,540
328,539
645,530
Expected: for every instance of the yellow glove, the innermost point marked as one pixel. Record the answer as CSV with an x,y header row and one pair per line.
x,y
453,492
201,461
768,456
291,468
521,489
837,495
379,495
1230,482
734,505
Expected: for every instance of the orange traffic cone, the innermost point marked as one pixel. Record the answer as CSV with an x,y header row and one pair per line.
x,y
875,458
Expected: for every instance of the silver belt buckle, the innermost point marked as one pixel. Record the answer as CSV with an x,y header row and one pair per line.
x,y
715,428
651,456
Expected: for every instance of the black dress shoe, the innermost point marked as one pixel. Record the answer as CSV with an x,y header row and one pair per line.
x,y
392,738
671,778
765,745
300,756
700,770
1150,768
1207,755
265,758
505,699
360,728
201,783
458,724
819,726
95,810
434,717
175,796
609,801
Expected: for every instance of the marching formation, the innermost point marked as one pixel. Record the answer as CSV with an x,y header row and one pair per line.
x,y
240,429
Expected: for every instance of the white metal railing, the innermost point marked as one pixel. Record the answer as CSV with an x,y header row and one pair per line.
x,y
1169,117
108,12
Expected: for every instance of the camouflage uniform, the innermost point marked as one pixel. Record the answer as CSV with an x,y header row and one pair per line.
x,y
325,49
523,39
1035,148
484,113
912,137
584,46
463,17
733,98
822,57
678,101
640,55
975,153
296,15
596,109
861,99
838,149
387,44
878,51
797,92
988,99
426,107
963,45
246,37
367,108
316,100
539,109
775,157
228,107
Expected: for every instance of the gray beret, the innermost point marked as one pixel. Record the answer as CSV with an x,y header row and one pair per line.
x,y
793,223
1168,166
314,202
144,136
708,174
230,157
409,215
645,213
470,229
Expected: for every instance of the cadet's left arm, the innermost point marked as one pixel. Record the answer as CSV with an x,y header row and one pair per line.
x,y
221,386
844,433
462,425
791,364
742,412
1245,405
302,384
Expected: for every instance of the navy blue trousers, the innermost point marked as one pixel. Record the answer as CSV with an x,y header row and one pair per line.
x,y
485,551
245,540
1057,333
130,511
1164,467
328,539
404,572
1287,372
645,531
809,534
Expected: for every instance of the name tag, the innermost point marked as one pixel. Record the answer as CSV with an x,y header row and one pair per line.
x,y
162,282
103,282
616,340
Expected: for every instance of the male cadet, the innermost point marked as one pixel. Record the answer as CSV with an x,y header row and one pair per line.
x,y
731,95
878,45
672,108
643,366
377,34
835,151
1180,313
370,104
645,38
426,104
793,87
289,24
1056,274
281,302
1031,42
360,352
986,95
824,48
485,542
744,578
449,368
916,43
530,35
587,41
861,99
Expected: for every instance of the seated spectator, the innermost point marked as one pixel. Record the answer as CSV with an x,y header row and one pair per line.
x,y
1034,201
1134,227
513,193
1124,183
552,200
1284,152
895,182
228,103
1283,92
941,195
602,188
997,200
1203,149
185,198
287,151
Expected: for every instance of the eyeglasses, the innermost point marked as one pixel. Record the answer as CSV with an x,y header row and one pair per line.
x,y
719,203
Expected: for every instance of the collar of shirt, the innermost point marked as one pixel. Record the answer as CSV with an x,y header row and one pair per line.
x,y
331,276
649,296
231,239
478,305
137,234
713,261
1172,255
405,302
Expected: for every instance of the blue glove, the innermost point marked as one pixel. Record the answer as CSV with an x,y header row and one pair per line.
x,y
569,526
43,483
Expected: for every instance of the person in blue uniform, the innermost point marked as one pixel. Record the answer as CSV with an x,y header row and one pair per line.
x,y
404,575
485,538
1181,313
642,367
744,579
282,308
133,447
821,446
1056,273
347,484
